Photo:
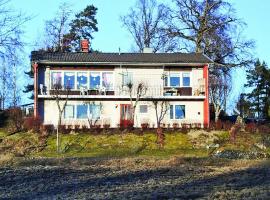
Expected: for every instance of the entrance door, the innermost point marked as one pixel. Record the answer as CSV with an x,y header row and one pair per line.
x,y
125,115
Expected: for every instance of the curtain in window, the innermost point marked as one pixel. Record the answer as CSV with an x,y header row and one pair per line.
x,y
82,111
107,80
95,111
186,79
56,79
69,80
174,80
179,111
82,80
94,80
69,112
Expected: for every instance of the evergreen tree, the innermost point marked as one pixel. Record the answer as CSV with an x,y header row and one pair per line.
x,y
258,78
82,27
29,87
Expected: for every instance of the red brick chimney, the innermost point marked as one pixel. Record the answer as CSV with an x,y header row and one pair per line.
x,y
85,45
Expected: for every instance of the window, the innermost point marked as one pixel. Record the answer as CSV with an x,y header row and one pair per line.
x,y
56,79
143,109
82,80
95,111
69,80
69,112
174,80
177,112
107,80
82,111
127,78
186,79
94,80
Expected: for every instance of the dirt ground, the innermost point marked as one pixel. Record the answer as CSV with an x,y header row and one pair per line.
x,y
135,178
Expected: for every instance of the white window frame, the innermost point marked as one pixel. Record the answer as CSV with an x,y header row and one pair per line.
x,y
180,77
174,111
76,74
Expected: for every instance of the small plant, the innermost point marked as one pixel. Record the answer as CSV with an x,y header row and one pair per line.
x,y
234,131
168,126
144,126
175,125
106,126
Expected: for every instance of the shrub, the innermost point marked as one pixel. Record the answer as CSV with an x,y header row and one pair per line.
x,y
264,129
218,125
251,127
15,119
47,128
32,124
234,131
227,125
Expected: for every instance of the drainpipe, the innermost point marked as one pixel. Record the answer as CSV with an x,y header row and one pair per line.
x,y
35,66
206,111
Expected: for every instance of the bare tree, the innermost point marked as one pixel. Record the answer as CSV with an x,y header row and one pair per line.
x,y
135,92
144,22
161,109
219,88
56,29
57,93
92,121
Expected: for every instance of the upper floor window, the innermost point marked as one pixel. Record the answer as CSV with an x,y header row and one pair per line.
x,y
94,80
127,78
177,111
82,80
180,79
175,80
56,79
69,80
186,79
107,80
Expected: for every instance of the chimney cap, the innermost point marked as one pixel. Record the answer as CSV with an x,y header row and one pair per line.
x,y
147,50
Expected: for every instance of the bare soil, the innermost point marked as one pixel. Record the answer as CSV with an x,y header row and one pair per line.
x,y
135,178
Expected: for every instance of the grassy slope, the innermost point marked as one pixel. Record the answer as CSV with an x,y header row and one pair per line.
x,y
123,145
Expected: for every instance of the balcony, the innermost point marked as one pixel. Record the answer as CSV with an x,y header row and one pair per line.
x,y
117,92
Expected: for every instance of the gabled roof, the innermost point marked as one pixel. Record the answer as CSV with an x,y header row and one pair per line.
x,y
184,58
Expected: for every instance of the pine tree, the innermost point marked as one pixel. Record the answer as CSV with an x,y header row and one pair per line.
x,y
82,27
29,87
258,78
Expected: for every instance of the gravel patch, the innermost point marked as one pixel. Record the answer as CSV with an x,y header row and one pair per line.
x,y
135,179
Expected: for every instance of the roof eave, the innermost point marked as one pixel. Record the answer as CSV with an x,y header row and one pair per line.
x,y
44,62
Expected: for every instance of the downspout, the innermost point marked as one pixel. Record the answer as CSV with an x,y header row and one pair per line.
x,y
35,66
206,111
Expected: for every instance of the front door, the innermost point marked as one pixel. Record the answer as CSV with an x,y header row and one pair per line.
x,y
125,115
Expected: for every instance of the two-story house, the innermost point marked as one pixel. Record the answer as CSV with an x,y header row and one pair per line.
x,y
97,87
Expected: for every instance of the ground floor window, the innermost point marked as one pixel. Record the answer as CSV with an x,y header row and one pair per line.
x,y
94,111
69,112
177,112
143,109
82,111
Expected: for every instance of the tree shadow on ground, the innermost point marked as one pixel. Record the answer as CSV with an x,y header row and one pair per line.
x,y
190,180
